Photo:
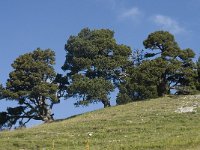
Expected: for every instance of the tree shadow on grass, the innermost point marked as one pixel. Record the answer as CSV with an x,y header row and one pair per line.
x,y
59,120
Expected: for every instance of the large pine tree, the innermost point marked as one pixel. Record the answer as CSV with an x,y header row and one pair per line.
x,y
163,69
178,72
31,85
93,62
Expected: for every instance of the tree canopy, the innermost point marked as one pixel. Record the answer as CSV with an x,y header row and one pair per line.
x,y
167,67
31,85
94,61
178,65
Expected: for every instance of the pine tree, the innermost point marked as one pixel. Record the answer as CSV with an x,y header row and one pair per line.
x,y
178,72
156,74
31,85
93,63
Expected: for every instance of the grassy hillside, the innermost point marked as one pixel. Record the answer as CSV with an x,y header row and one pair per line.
x,y
150,125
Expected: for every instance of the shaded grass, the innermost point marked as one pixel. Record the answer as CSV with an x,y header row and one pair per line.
x,y
141,125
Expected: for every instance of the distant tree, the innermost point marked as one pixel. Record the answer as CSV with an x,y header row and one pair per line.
x,y
178,72
31,85
94,62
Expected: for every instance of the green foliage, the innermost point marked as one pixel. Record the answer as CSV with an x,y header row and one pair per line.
x,y
1,92
137,57
139,83
31,85
95,55
93,90
164,42
62,82
179,69
198,76
156,74
10,118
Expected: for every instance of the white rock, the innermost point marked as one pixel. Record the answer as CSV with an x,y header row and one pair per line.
x,y
186,109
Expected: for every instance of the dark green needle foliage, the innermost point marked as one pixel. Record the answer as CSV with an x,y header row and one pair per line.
x,y
94,62
1,92
178,72
164,69
198,76
140,82
31,85
91,90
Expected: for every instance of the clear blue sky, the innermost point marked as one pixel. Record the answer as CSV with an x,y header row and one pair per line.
x,y
26,25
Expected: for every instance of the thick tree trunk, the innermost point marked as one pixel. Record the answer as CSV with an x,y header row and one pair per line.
x,y
46,114
48,119
106,103
163,89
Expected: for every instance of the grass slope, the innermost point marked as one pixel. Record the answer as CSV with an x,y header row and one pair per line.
x,y
149,125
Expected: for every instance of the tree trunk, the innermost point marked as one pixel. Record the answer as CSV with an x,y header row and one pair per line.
x,y
46,114
162,89
106,103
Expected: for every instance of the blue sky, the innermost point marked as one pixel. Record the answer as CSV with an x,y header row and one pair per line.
x,y
26,25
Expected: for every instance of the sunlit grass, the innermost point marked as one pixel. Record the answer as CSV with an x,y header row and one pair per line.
x,y
149,125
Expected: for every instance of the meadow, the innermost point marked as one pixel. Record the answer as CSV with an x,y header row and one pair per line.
x,y
144,125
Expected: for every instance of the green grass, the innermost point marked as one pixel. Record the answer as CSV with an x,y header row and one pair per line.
x,y
144,125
